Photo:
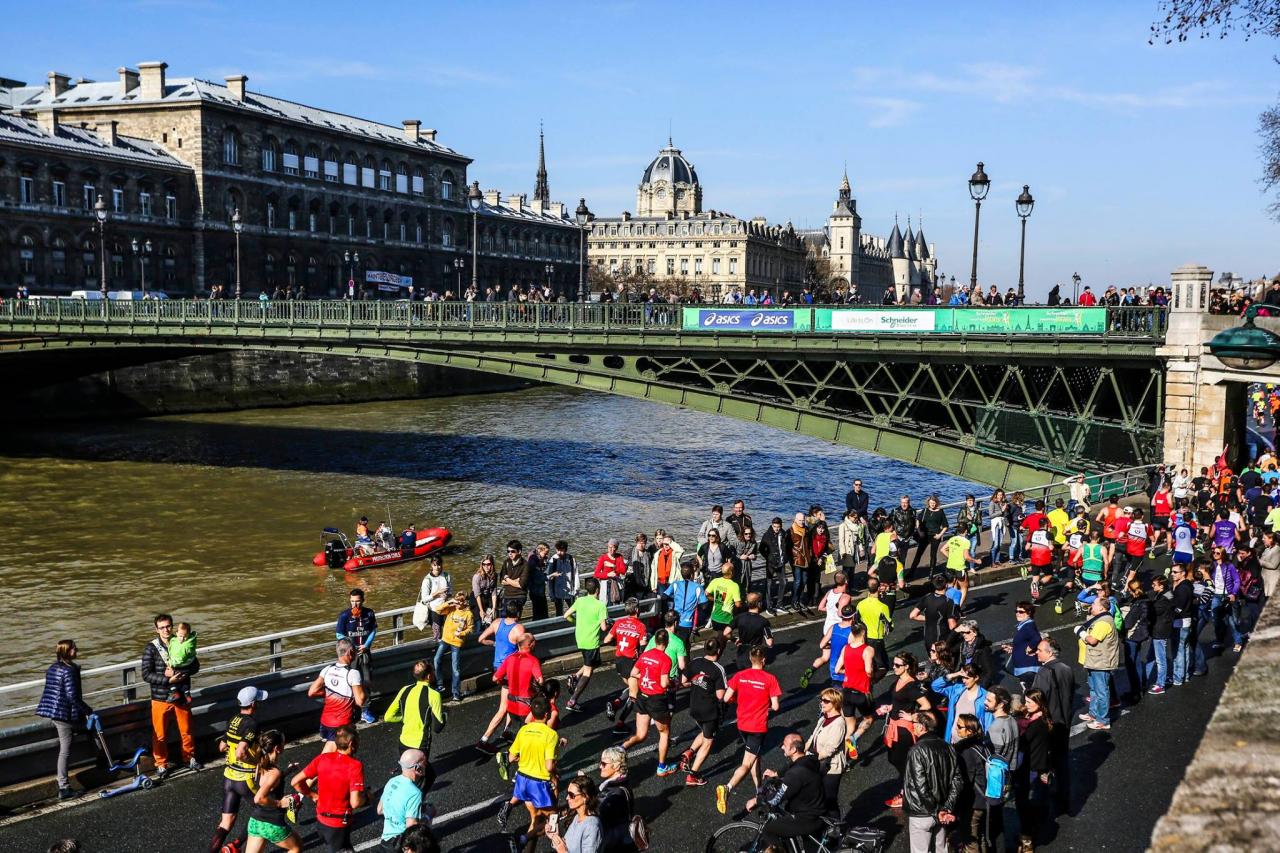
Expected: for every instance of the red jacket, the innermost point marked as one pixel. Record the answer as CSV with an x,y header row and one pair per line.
x,y
617,563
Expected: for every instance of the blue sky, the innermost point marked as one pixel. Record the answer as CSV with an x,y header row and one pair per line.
x,y
1141,158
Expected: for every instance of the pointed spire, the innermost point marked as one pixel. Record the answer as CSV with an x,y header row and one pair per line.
x,y
895,241
541,192
844,182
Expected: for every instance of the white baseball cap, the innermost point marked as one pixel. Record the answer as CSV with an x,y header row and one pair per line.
x,y
248,695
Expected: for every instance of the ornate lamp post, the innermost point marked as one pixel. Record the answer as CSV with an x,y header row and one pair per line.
x,y
1075,288
142,250
1024,204
100,212
474,200
352,260
549,269
979,184
582,215
237,226
460,264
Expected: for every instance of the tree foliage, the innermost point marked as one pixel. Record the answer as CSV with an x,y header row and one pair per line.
x,y
1206,18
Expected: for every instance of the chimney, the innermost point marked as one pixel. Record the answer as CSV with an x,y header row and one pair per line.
x,y
413,130
516,201
492,198
537,206
111,135
128,80
152,74
58,83
48,121
429,134
236,84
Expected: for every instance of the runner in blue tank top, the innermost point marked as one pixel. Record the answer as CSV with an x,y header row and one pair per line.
x,y
837,638
504,635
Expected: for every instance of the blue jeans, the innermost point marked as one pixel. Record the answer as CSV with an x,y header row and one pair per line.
x,y
1180,654
1135,672
973,547
999,529
455,682
1160,661
1224,618
1100,695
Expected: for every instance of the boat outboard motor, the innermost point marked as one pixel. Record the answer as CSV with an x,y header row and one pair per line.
x,y
335,553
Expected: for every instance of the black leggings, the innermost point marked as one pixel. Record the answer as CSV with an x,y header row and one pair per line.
x,y
336,838
932,544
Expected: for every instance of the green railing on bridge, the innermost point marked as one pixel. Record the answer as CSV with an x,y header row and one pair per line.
x,y
1130,322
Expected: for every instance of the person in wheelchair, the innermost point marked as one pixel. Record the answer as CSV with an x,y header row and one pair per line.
x,y
797,795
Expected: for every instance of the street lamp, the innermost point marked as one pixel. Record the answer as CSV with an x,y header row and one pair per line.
x,y
459,264
1075,288
979,184
352,260
237,226
582,215
474,200
1024,204
1246,347
549,269
142,251
100,211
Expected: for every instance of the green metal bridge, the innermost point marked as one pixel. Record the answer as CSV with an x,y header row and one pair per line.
x,y
1006,397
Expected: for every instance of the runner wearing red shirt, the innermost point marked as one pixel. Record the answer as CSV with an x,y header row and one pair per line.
x,y
521,677
648,682
338,790
757,693
1107,518
1041,557
857,663
630,634
1136,536
343,691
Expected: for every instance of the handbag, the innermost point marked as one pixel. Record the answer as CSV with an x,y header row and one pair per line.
x,y
421,614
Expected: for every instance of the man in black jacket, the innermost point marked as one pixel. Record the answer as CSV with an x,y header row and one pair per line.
x,y
169,691
775,550
931,786
799,795
858,500
904,522
1058,681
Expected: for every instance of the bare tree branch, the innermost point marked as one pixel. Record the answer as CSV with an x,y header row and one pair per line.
x,y
1206,18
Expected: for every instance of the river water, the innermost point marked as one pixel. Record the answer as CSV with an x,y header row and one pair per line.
x,y
215,517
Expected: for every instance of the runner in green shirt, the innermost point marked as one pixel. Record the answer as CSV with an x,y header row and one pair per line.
x,y
590,618
725,597
958,560
676,649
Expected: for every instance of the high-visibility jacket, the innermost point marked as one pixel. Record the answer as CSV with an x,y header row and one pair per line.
x,y
413,705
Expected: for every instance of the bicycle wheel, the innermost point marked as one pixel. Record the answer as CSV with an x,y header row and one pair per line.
x,y
739,837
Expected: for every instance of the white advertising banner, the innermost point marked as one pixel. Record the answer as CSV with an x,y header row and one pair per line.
x,y
867,320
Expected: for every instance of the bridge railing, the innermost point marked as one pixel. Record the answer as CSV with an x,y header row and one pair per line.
x,y
1145,322
1119,483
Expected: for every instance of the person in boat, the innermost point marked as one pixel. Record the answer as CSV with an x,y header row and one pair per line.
x,y
364,542
408,541
385,538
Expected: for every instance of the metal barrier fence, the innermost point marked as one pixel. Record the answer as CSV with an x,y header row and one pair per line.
x,y
1126,321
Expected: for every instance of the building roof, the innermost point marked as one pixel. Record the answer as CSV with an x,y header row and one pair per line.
x,y
895,243
526,214
670,165
80,141
194,90
922,247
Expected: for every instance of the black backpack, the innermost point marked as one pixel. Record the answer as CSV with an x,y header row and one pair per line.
x,y
864,839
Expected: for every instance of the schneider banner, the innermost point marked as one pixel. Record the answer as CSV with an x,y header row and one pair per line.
x,y
746,319
972,321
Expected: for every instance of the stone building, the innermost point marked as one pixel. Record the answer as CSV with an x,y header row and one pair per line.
x,y
51,176
312,186
671,241
868,263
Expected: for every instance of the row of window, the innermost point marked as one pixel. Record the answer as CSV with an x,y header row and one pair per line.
x,y
671,229
85,263
89,197
367,173
650,266
684,244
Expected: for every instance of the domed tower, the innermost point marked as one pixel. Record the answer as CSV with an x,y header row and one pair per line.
x,y
670,185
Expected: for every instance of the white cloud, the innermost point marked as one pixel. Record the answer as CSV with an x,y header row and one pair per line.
x,y
888,112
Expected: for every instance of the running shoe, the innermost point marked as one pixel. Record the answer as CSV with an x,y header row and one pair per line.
x,y
611,708
572,682
367,716
164,773
894,802
504,772
722,799
231,847
1088,718
1156,690
620,729
504,811
805,676
686,758
487,746
1057,607
666,769
694,780
851,749
1100,727
194,766
572,706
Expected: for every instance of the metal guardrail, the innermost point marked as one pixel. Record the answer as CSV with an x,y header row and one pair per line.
x,y
269,652
1125,322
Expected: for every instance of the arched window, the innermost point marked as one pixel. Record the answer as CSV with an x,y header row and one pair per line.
x,y
384,176
290,159
291,270
272,204
270,154
386,225
350,169
269,269
446,185
231,147
331,165
27,258
446,234
402,178
353,216
169,266
418,184
311,163
313,216
295,208
369,173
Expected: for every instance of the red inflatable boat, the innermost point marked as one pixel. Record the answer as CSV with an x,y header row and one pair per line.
x,y
338,552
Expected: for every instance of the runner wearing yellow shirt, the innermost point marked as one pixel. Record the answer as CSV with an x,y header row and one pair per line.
x,y
878,619
534,752
958,561
1058,521
725,596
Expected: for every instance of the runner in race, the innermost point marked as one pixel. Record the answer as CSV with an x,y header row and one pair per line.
x,y
725,596
240,745
503,634
707,685
419,707
877,617
272,810
1107,517
535,753
338,788
752,629
857,664
629,633
1041,557
1181,540
959,559
521,673
1135,540
343,691
831,604
757,693
590,618
650,679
